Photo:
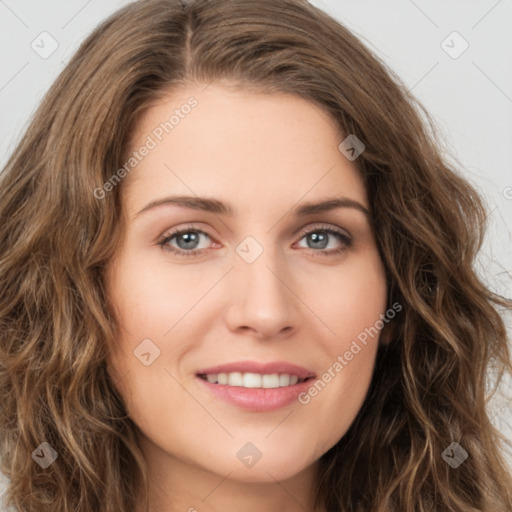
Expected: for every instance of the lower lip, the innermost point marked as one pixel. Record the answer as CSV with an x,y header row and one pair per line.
x,y
258,399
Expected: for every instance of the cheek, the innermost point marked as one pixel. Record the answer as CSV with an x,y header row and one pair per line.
x,y
151,297
149,300
351,304
349,300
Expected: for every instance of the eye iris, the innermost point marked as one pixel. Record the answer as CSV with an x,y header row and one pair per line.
x,y
190,238
318,237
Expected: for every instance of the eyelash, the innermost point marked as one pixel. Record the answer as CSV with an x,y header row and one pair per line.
x,y
345,239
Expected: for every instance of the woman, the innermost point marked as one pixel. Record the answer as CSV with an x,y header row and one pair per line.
x,y
237,273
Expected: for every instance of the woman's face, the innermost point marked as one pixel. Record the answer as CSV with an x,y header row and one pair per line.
x,y
244,290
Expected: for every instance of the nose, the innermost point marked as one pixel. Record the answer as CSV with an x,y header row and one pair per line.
x,y
260,298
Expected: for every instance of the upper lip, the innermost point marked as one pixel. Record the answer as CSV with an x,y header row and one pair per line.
x,y
279,367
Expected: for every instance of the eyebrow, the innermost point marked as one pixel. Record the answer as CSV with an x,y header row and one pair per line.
x,y
218,207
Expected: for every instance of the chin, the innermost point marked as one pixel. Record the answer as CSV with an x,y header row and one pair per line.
x,y
268,473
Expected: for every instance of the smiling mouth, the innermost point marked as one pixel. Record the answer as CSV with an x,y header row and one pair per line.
x,y
253,380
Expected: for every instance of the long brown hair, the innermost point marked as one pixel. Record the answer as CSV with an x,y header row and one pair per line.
x,y
429,387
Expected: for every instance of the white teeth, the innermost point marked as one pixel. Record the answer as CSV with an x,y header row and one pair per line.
x,y
288,380
273,381
253,380
235,379
211,378
284,380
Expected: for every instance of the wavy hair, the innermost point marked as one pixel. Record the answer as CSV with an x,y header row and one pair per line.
x,y
429,386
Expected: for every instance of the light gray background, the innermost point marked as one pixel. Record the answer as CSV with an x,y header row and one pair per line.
x,y
470,96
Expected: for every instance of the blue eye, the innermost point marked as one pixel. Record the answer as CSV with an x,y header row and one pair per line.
x,y
184,242
321,239
187,239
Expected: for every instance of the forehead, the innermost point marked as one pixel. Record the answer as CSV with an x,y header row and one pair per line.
x,y
248,147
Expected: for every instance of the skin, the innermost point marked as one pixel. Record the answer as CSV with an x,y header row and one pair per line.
x,y
265,155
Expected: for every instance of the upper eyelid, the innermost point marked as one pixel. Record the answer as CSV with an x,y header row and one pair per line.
x,y
320,227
